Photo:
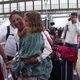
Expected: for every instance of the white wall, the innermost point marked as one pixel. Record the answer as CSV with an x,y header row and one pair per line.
x,y
60,22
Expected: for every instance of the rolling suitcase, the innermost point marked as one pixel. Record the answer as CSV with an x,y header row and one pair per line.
x,y
66,70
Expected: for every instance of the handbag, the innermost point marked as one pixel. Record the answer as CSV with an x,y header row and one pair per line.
x,y
68,53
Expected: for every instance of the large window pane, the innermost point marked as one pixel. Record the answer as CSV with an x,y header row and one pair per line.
x,y
21,6
46,4
63,3
78,3
1,0
1,8
13,6
72,3
29,5
6,0
6,8
37,5
54,4
1,21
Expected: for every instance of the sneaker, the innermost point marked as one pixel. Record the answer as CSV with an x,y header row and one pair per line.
x,y
74,72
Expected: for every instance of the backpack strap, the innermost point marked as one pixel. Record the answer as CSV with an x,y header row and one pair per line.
x,y
17,48
65,32
7,35
8,32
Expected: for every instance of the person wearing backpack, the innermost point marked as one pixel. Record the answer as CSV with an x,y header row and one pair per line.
x,y
8,39
8,42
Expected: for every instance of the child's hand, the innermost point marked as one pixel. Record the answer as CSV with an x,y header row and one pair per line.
x,y
32,60
9,65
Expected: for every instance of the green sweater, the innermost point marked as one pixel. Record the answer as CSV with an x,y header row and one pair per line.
x,y
32,45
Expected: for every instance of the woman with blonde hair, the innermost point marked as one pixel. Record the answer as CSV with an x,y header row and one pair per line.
x,y
34,62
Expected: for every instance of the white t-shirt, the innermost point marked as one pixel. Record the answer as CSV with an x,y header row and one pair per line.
x,y
72,32
9,45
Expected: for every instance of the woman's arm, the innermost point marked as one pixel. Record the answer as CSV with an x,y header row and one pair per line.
x,y
46,51
48,37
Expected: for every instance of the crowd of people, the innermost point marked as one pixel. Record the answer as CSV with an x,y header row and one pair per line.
x,y
55,31
27,49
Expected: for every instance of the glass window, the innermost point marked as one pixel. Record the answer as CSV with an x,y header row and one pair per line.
x,y
13,6
1,21
29,5
1,0
63,3
37,5
78,3
21,6
6,0
72,3
1,8
54,4
6,8
46,4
